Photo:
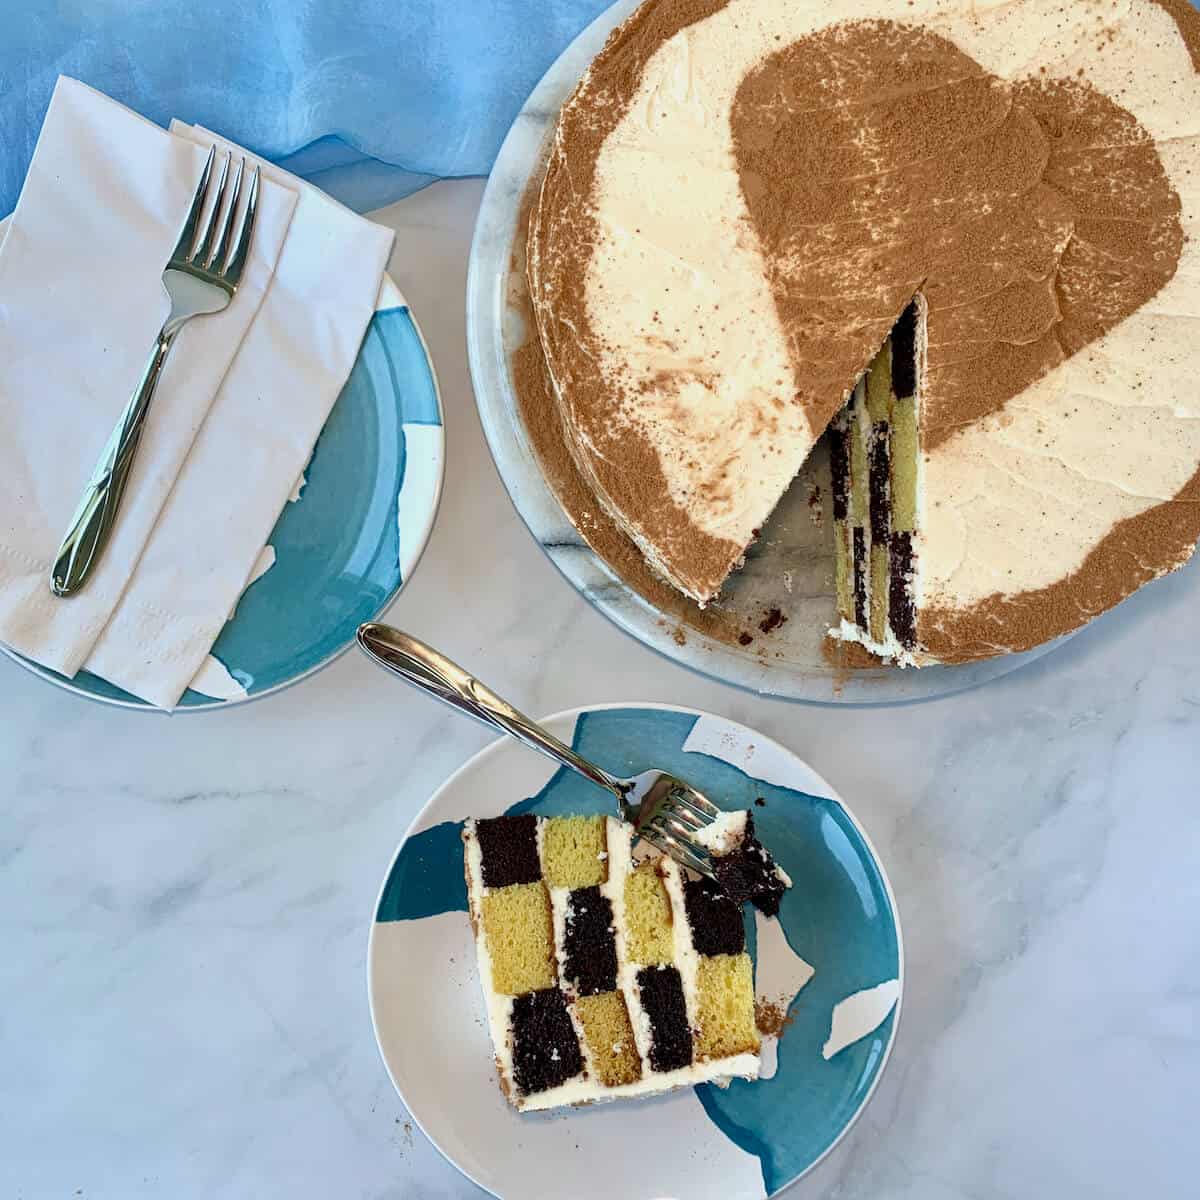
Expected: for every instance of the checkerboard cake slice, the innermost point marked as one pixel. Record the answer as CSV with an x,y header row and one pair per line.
x,y
607,973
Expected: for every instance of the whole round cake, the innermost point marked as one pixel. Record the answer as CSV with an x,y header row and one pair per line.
x,y
958,237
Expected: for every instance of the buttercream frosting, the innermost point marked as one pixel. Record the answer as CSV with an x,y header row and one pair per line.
x,y
742,196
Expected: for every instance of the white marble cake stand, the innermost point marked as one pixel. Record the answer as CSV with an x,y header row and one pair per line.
x,y
790,568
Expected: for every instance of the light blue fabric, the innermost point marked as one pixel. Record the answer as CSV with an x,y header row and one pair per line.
x,y
370,99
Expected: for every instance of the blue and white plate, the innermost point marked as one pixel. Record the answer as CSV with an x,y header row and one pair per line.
x,y
347,543
835,948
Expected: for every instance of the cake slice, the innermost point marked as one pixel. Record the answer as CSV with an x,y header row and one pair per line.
x,y
606,973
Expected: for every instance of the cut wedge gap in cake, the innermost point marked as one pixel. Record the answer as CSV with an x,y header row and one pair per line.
x,y
875,468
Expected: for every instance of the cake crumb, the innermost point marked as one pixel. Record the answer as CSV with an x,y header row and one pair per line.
x,y
847,657
744,639
678,636
772,620
771,1017
816,509
760,802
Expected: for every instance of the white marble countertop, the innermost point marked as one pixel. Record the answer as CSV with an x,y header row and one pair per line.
x,y
184,902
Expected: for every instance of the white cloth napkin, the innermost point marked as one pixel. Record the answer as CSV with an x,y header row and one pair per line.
x,y
238,410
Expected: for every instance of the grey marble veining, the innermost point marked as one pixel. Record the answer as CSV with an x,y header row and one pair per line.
x,y
184,902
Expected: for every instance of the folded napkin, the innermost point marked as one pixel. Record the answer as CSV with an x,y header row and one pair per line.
x,y
255,444
81,300
239,407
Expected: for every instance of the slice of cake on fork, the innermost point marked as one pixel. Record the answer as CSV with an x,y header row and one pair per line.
x,y
745,870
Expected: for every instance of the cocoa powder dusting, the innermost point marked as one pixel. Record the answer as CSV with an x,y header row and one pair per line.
x,y
562,231
1033,216
543,425
1187,19
846,657
1137,550
771,1017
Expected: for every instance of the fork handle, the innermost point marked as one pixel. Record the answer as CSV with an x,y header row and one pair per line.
x,y
93,521
434,673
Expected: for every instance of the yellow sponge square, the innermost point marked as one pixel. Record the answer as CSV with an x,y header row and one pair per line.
x,y
574,852
609,1036
518,930
648,916
725,1007
879,383
905,447
880,592
843,566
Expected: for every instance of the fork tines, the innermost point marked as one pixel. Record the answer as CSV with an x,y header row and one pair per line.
x,y
673,824
679,845
204,248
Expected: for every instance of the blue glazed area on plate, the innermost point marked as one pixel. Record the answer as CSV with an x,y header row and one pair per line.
x,y
337,548
837,917
423,881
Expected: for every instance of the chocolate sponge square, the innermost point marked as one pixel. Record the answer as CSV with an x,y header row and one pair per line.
x,y
545,1048
671,1037
508,846
590,943
716,920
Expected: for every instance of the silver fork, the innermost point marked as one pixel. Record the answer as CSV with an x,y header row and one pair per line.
x,y
663,809
200,278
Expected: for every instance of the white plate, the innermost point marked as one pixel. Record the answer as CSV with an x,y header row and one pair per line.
x,y
705,1143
